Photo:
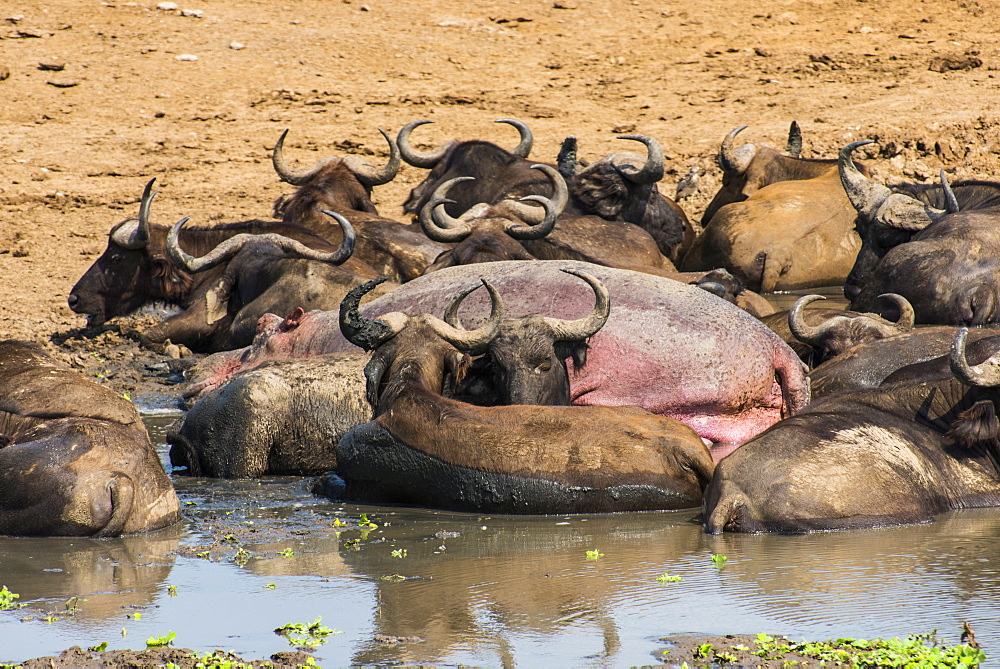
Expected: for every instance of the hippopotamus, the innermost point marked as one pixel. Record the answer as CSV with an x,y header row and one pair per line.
x,y
670,348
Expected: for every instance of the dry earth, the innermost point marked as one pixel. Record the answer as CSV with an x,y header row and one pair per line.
x,y
98,97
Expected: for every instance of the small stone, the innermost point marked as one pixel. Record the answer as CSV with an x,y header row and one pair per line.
x,y
945,63
763,53
14,20
52,67
167,6
236,46
564,4
4,73
187,57
194,13
63,84
365,8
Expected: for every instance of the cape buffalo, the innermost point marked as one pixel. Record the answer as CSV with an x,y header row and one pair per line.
x,y
668,347
344,186
134,270
937,246
788,233
263,274
425,449
75,458
897,454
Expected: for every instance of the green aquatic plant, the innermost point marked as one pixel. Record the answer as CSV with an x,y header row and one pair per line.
x,y
703,651
160,641
719,560
172,590
288,552
399,553
594,555
99,648
667,578
918,650
365,522
8,600
306,635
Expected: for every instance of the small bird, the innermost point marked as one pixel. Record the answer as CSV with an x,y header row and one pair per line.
x,y
688,185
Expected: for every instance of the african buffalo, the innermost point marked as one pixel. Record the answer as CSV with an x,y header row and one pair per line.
x,y
282,418
820,334
134,270
668,347
897,454
510,459
869,364
513,230
788,233
937,246
619,188
263,274
344,186
75,458
526,361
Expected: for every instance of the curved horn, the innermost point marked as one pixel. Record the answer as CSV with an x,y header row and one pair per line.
x,y
714,287
372,176
523,147
951,202
437,223
566,160
417,158
652,171
866,195
797,324
906,316
451,313
135,238
367,333
475,341
582,328
286,173
560,197
230,247
794,145
539,230
985,374
730,159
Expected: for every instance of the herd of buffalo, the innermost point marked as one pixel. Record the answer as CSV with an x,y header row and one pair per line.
x,y
544,338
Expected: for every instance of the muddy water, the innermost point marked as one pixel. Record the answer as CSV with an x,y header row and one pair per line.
x,y
437,587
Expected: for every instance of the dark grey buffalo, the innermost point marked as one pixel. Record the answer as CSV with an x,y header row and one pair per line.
x,y
75,458
423,448
937,246
901,453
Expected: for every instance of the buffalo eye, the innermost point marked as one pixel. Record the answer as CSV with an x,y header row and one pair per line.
x,y
545,366
116,258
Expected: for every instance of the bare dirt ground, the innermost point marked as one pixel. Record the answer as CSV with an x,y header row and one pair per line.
x,y
98,97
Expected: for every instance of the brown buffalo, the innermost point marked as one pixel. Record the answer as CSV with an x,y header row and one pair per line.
x,y
75,458
344,185
423,448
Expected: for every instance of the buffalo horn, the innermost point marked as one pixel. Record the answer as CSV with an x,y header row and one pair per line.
x,y
437,223
560,197
985,374
807,334
135,238
652,171
367,333
951,202
794,145
734,160
582,328
873,201
230,247
286,173
537,230
906,317
428,159
475,341
451,313
523,147
373,176
566,160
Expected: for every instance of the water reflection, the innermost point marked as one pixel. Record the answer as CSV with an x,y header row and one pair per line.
x,y
439,587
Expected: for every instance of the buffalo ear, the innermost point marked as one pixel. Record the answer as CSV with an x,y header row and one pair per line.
x,y
458,365
975,425
577,349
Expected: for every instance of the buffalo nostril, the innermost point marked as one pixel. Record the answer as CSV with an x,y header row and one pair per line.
x,y
851,291
72,300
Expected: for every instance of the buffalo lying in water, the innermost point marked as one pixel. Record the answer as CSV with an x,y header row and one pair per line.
x,y
423,448
901,453
75,459
672,349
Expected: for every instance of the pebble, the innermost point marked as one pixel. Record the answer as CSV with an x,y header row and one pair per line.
x,y
167,6
187,57
195,13
52,67
236,46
